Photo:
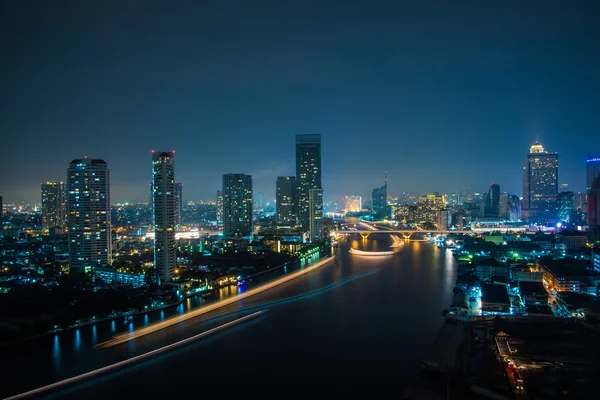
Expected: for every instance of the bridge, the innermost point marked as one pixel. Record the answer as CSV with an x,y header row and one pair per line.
x,y
406,233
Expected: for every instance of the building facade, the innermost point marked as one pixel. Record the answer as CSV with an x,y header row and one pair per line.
x,y
428,206
237,205
353,204
566,206
316,215
163,211
540,184
219,210
285,201
592,171
308,173
54,205
492,201
88,206
178,205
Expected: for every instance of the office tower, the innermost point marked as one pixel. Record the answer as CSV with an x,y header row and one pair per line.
x,y
379,204
514,207
428,206
259,201
178,205
285,200
566,206
237,205
492,202
592,171
54,205
593,207
308,173
219,210
540,184
504,208
353,204
88,207
442,219
163,212
316,215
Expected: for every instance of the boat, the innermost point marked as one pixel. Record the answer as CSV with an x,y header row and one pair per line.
x,y
372,253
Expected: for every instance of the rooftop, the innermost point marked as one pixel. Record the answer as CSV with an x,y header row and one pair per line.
x,y
532,287
494,293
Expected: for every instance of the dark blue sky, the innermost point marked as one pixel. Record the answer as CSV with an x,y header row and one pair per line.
x,y
444,95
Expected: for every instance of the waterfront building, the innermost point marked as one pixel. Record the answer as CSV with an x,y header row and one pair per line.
x,y
428,206
118,277
54,205
592,171
443,217
88,214
219,210
540,184
379,201
353,204
285,201
178,205
316,215
163,212
237,205
308,173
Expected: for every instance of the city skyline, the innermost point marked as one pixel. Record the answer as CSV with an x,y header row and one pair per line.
x,y
433,92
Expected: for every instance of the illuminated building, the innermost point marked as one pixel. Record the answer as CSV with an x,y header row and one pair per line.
x,y
54,205
504,208
540,184
237,205
178,205
592,171
428,206
593,208
163,211
308,173
566,206
219,209
514,207
88,207
442,219
492,203
285,201
353,204
316,215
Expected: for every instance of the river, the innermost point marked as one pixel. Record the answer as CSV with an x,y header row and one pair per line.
x,y
358,322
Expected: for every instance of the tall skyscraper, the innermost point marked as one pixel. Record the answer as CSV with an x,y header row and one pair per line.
x,y
237,205
219,210
592,171
88,205
178,205
566,206
316,215
379,199
593,205
540,184
492,202
285,201
308,173
54,205
163,212
353,204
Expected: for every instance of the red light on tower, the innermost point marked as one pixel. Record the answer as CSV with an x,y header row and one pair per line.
x,y
84,156
173,151
153,151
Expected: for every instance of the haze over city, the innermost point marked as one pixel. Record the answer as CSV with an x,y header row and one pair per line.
x,y
444,96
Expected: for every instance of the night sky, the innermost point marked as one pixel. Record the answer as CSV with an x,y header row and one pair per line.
x,y
445,95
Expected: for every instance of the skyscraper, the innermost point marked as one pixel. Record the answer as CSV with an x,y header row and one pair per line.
x,y
379,199
54,205
592,171
566,206
219,210
88,205
163,212
285,200
237,205
316,215
492,202
540,184
353,204
178,205
308,173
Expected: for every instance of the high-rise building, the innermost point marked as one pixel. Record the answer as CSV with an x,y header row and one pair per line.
x,y
379,201
178,205
566,206
593,207
219,210
515,208
353,204
54,205
88,207
163,211
308,173
492,202
285,200
592,171
237,205
316,215
540,184
428,207
504,209
259,201
1,215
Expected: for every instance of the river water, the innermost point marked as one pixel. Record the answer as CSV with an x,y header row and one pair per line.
x,y
357,323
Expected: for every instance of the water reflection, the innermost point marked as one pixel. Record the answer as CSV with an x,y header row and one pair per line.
x,y
77,340
56,352
113,326
162,315
145,319
94,334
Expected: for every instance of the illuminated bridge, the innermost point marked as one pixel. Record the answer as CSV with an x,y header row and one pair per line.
x,y
406,233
